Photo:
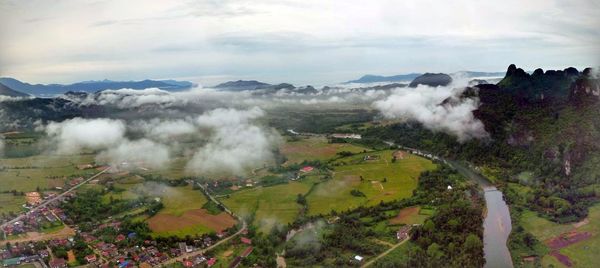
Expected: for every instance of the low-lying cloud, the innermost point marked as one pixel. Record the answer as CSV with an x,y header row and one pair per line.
x,y
141,152
235,145
75,135
426,105
235,141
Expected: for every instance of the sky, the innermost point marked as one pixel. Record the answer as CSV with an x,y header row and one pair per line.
x,y
302,42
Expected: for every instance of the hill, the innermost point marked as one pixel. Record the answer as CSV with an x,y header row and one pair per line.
x,y
92,86
432,80
369,78
6,91
242,85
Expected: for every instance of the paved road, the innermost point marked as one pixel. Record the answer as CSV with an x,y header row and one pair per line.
x,y
49,201
369,263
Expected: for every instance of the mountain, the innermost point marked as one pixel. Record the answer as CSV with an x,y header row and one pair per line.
x,y
369,78
242,85
6,91
553,84
92,86
432,80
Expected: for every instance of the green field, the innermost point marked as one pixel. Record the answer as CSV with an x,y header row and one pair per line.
x,y
542,228
401,179
271,205
315,148
10,203
583,253
43,171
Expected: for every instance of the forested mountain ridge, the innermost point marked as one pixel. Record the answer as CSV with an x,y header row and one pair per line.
x,y
544,124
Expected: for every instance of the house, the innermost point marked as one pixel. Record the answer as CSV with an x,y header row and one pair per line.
x,y
11,262
236,262
90,258
449,187
188,263
402,233
307,169
120,238
346,136
358,258
211,262
58,263
370,157
247,252
246,240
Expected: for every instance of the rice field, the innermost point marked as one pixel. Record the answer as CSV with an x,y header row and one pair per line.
x,y
379,179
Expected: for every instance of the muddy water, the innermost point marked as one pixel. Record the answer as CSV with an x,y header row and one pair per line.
x,y
496,229
496,226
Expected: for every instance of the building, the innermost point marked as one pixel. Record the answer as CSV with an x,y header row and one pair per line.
x,y
402,233
346,136
58,263
307,169
246,240
358,258
90,258
11,262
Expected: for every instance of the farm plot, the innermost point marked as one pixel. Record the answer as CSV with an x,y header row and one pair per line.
x,y
183,214
570,244
315,148
271,205
367,179
41,171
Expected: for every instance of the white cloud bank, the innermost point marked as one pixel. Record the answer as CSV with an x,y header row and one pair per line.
x,y
424,105
74,135
236,144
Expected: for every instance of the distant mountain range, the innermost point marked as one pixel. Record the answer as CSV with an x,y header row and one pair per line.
x,y
92,86
6,91
411,76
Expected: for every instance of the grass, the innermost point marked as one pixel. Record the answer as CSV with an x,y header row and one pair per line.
x,y
11,203
183,232
178,200
583,253
542,228
398,255
401,179
412,215
43,171
271,205
315,148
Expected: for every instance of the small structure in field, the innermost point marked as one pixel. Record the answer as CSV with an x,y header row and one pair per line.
x,y
346,136
307,169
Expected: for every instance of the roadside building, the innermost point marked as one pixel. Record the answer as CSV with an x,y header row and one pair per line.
x,y
58,263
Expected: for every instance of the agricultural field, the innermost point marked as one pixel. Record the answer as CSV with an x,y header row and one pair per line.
x,y
271,205
43,171
378,179
577,243
183,213
412,215
314,148
11,203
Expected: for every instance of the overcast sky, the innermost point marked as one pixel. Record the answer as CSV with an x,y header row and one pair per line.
x,y
303,42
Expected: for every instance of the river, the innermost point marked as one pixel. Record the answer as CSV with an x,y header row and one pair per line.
x,y
496,226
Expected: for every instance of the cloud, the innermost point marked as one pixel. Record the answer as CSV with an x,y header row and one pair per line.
x,y
235,145
425,105
166,129
74,135
142,152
